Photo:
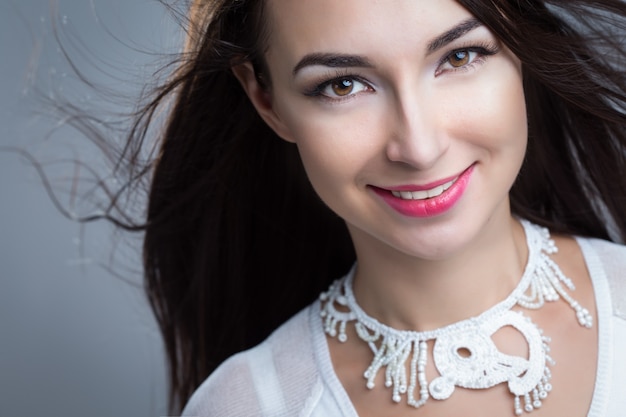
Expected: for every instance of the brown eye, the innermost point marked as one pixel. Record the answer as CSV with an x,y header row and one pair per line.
x,y
342,87
459,58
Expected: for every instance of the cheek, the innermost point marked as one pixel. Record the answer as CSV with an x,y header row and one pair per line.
x,y
507,111
493,116
333,146
330,158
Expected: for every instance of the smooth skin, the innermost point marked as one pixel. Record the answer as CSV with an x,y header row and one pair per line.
x,y
378,97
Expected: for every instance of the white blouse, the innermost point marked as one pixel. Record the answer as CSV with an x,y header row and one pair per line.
x,y
291,374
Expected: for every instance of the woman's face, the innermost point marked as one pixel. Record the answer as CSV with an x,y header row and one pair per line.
x,y
409,116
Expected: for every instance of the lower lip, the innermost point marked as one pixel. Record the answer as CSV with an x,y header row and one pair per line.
x,y
429,207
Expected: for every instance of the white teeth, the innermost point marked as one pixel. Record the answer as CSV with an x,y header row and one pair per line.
x,y
419,195
435,191
424,194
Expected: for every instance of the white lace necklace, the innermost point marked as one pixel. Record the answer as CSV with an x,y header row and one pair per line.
x,y
464,353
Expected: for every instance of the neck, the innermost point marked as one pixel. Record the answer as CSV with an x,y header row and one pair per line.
x,y
411,293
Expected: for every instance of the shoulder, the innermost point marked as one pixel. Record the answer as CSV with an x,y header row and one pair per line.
x,y
606,261
276,378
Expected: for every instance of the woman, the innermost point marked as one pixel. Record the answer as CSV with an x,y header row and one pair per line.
x,y
428,130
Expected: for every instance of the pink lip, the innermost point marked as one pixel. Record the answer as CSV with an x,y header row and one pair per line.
x,y
429,207
423,186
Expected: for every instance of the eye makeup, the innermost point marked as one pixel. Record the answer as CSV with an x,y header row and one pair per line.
x,y
340,84
476,52
319,87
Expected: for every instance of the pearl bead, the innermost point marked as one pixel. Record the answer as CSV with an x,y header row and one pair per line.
x,y
543,283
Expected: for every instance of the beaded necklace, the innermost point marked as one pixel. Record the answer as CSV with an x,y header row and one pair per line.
x,y
464,353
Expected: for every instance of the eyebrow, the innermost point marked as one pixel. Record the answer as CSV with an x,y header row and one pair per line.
x,y
453,34
334,60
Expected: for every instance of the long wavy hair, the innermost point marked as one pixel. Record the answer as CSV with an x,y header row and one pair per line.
x,y
236,240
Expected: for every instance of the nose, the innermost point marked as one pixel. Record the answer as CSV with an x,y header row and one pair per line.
x,y
416,137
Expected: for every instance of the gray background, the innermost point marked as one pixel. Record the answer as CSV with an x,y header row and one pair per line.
x,y
76,335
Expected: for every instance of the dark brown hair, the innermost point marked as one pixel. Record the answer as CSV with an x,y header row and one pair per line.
x,y
237,241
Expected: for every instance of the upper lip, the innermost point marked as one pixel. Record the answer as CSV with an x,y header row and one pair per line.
x,y
424,187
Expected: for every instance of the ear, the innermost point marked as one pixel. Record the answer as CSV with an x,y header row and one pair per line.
x,y
261,98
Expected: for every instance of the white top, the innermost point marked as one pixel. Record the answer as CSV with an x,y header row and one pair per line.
x,y
291,374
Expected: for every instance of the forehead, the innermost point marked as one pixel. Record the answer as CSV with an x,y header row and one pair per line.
x,y
298,27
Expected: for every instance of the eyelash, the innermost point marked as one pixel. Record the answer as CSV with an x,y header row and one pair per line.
x,y
318,89
483,50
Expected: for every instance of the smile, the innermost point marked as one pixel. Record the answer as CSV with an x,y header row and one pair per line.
x,y
424,194
426,200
